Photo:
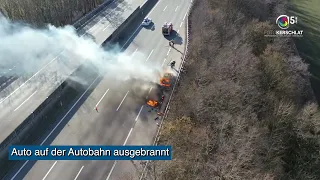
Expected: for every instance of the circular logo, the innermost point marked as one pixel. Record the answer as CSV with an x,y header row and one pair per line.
x,y
283,21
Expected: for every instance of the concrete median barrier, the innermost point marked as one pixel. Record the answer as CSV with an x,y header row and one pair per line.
x,y
50,112
147,6
45,116
134,19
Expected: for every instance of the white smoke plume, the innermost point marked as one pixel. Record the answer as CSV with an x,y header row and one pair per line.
x,y
24,50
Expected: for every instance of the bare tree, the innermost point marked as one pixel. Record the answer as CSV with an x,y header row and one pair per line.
x,y
40,12
245,109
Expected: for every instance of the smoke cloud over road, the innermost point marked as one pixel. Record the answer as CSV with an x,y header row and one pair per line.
x,y
24,50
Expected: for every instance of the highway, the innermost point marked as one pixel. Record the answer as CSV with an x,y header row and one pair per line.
x,y
19,99
122,117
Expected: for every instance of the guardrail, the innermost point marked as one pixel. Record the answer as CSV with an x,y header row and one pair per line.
x,y
30,130
39,122
167,109
117,33
58,91
13,137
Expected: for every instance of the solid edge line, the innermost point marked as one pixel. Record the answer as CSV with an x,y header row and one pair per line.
x,y
68,112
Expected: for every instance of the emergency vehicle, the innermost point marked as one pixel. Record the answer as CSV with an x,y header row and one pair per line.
x,y
167,28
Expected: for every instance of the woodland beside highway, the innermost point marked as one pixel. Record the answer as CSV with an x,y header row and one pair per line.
x,y
244,109
41,12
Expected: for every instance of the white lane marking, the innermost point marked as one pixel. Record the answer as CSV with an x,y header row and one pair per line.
x,y
25,163
30,78
178,30
125,142
181,24
144,169
133,53
51,60
176,8
139,26
49,170
185,15
102,98
149,55
168,51
139,113
78,173
122,100
165,8
163,62
149,92
114,165
68,112
106,27
25,101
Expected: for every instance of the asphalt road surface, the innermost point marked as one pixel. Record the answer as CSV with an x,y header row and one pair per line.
x,y
24,95
122,117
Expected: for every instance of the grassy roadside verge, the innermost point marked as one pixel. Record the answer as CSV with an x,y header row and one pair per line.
x,y
245,108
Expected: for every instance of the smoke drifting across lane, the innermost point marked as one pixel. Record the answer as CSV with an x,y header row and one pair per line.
x,y
28,49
